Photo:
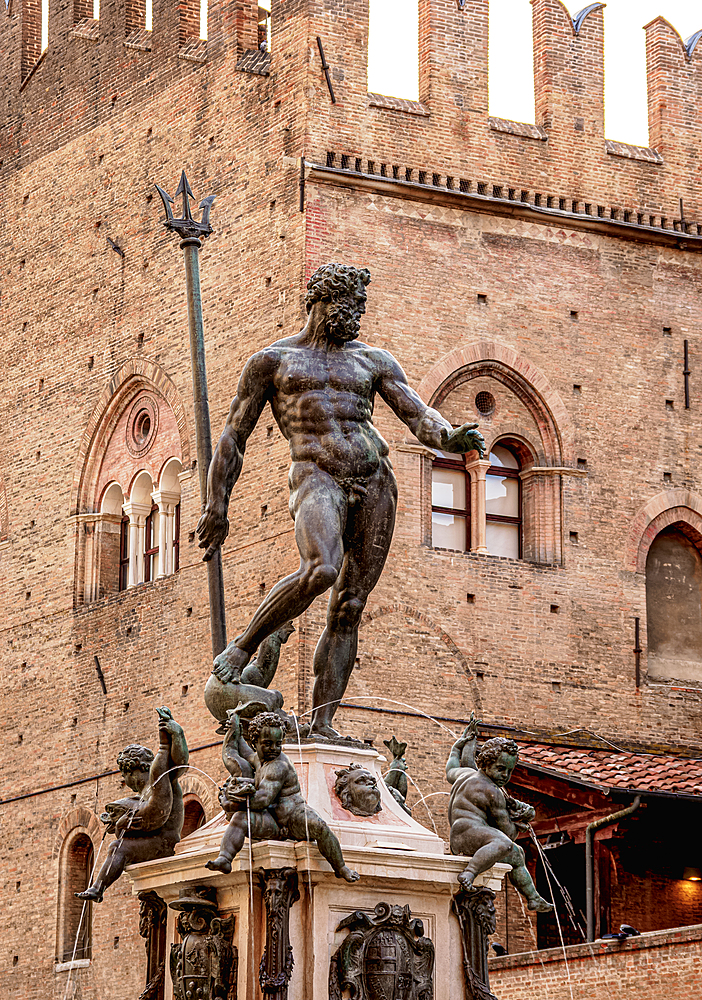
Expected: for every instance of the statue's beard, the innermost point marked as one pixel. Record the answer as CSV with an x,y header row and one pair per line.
x,y
343,322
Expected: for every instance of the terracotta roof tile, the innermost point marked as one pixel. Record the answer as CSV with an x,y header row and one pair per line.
x,y
642,772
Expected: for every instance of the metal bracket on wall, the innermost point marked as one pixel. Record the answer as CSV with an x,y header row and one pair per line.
x,y
325,67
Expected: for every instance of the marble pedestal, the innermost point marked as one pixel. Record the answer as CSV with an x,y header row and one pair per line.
x,y
399,861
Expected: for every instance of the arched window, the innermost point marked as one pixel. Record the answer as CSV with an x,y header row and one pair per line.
x,y
194,815
674,605
74,938
124,553
151,545
503,504
450,503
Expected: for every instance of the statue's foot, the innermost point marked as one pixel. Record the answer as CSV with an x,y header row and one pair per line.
x,y
347,873
539,904
466,879
228,665
321,729
91,894
220,864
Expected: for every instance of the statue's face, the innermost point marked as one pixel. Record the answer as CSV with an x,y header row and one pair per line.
x,y
362,793
270,743
500,771
343,314
136,779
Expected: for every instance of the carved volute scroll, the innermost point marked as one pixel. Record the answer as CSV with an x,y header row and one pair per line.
x,y
280,891
152,927
475,909
204,962
383,956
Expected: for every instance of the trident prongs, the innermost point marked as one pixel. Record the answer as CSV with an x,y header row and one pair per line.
x,y
186,227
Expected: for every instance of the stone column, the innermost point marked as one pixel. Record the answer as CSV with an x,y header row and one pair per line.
x,y
137,514
477,471
167,502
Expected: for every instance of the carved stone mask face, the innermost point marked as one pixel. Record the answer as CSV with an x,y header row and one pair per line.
x,y
358,792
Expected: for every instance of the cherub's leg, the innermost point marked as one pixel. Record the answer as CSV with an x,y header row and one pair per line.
x,y
113,866
329,846
522,881
232,842
498,848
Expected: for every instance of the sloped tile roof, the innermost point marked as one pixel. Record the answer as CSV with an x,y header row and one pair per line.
x,y
640,772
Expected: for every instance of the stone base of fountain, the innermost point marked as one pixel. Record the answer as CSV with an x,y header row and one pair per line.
x,y
401,863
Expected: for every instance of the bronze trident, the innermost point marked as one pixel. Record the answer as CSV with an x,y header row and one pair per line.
x,y
192,233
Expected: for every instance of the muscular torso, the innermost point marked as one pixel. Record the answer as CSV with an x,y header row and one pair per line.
x,y
323,403
472,799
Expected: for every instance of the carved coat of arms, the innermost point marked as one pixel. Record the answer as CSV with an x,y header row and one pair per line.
x,y
385,956
204,963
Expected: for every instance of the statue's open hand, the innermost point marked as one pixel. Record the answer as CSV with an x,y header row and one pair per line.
x,y
462,439
212,529
471,730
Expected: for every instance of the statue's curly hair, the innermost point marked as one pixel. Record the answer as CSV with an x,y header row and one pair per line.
x,y
265,720
491,750
330,281
134,758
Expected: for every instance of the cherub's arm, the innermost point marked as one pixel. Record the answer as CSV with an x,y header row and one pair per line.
x,y
237,755
499,814
462,756
172,754
268,790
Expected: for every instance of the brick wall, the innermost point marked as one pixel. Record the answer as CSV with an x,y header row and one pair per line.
x,y
657,965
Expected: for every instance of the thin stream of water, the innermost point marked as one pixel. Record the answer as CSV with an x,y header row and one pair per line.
x,y
307,829
82,914
555,911
390,701
251,906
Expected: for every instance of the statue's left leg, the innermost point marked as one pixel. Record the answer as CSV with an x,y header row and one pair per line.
x,y
367,540
523,882
310,825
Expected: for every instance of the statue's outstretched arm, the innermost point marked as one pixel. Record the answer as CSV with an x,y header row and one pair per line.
x,y
427,424
225,467
462,756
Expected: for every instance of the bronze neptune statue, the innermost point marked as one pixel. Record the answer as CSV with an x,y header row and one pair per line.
x,y
321,384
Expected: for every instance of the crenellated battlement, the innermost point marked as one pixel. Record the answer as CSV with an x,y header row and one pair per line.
x,y
95,70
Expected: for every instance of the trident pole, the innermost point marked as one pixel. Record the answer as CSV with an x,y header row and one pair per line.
x,y
192,233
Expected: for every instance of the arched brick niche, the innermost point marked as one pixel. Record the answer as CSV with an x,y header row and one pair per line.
x,y
518,410
126,489
75,848
665,547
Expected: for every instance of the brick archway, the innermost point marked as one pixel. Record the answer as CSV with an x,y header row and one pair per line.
x,y
407,609
518,374
79,818
135,374
667,508
195,784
